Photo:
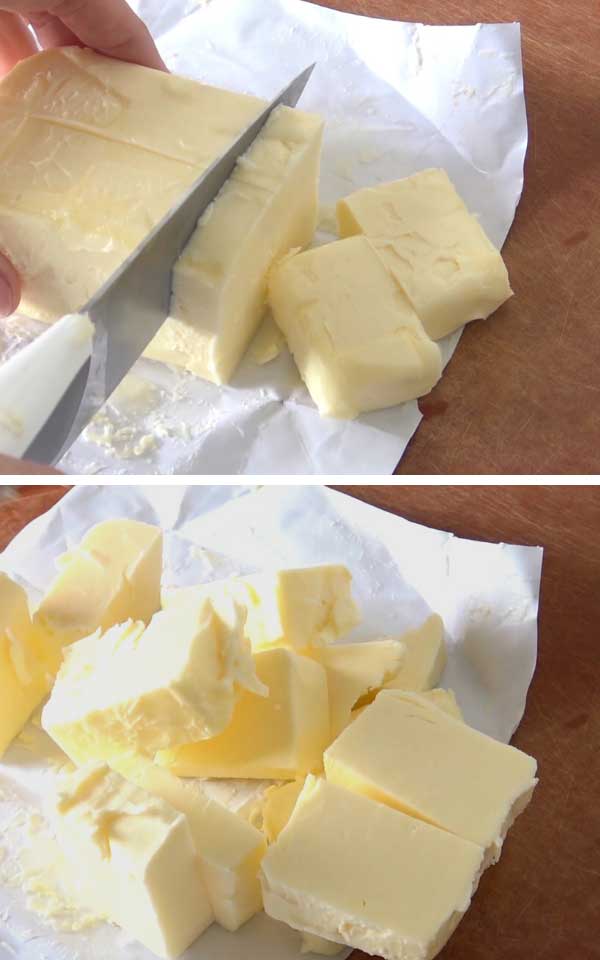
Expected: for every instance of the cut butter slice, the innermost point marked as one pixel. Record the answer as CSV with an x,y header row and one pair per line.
x,y
443,699
229,848
267,207
144,689
357,341
424,658
278,737
278,806
434,247
471,785
133,859
356,872
113,575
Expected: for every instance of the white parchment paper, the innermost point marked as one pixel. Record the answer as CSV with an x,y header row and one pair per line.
x,y
397,98
487,594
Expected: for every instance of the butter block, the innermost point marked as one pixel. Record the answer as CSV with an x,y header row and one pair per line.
x,y
144,689
444,700
298,608
354,669
357,341
424,659
437,251
84,138
278,737
28,661
229,848
399,894
268,206
112,576
405,752
134,859
279,803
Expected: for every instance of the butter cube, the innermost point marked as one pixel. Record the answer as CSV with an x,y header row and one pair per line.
x,y
143,689
356,872
278,737
229,848
353,669
405,752
279,803
443,699
112,576
267,207
424,659
357,341
133,859
437,251
28,662
299,608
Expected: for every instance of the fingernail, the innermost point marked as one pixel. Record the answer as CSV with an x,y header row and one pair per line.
x,y
7,298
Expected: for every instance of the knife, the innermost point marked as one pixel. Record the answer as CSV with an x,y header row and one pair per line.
x,y
131,306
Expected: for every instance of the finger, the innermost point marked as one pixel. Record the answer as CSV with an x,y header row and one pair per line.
x,y
109,26
11,467
16,41
10,287
52,32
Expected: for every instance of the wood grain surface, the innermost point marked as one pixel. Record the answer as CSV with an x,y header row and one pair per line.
x,y
522,393
541,902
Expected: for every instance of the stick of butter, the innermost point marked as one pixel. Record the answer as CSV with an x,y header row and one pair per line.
x,y
436,249
299,608
359,873
28,661
357,341
229,848
470,784
133,859
425,657
267,207
144,689
112,576
278,737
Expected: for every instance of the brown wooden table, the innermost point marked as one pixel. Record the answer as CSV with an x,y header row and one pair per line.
x,y
522,394
542,901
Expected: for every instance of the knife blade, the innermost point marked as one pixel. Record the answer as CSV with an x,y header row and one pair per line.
x,y
128,310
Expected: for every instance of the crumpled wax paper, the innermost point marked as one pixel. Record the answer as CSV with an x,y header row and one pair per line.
x,y
487,594
397,98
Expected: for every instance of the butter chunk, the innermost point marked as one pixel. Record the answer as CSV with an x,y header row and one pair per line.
x,y
267,207
325,948
353,669
279,803
444,700
144,689
297,608
369,877
278,737
357,341
28,661
134,859
112,576
436,249
425,657
229,848
405,752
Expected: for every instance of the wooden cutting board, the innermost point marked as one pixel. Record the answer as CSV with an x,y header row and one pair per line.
x,y
541,902
522,394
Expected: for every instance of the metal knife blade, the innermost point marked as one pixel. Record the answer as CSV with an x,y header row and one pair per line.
x,y
132,305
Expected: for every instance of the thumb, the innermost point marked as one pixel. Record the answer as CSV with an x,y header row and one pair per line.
x,y
10,287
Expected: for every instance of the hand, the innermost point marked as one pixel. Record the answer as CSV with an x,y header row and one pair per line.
x,y
109,26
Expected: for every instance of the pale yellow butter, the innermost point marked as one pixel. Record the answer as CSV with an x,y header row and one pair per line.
x,y
145,689
425,657
357,872
278,737
444,700
278,806
29,659
434,247
405,752
113,575
134,859
357,341
267,207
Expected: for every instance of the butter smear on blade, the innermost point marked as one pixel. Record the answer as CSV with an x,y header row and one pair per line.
x,y
146,689
134,859
405,752
267,207
280,736
436,249
359,873
113,575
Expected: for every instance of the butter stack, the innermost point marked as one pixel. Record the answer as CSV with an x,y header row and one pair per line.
x,y
247,678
